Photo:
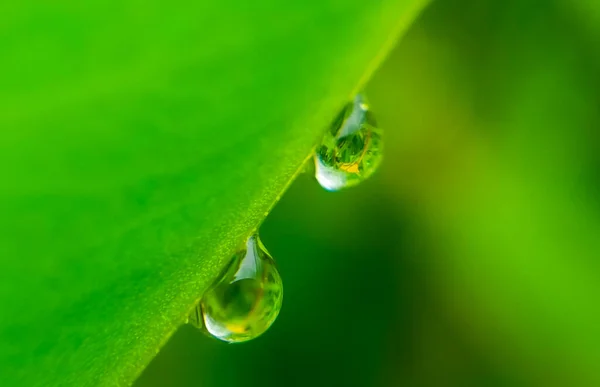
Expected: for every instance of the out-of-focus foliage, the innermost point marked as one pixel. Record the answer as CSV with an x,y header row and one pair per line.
x,y
472,258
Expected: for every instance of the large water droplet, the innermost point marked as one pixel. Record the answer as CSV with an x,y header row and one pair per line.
x,y
351,149
245,300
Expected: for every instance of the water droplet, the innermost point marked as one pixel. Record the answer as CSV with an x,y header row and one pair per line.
x,y
351,149
245,300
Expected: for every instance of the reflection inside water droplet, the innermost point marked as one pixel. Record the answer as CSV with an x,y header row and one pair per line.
x,y
351,149
245,300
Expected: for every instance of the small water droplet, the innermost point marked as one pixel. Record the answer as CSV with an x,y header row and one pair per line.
x,y
351,149
245,300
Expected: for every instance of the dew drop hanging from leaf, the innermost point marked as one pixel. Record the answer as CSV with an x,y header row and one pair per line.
x,y
351,150
246,298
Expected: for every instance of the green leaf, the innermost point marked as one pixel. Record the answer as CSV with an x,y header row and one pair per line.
x,y
141,143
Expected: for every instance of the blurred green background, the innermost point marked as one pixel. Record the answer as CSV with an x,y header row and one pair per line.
x,y
472,258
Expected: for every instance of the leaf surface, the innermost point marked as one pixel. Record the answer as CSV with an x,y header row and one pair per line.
x,y
141,143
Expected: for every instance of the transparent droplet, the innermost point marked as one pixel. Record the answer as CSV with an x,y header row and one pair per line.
x,y
245,300
351,149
